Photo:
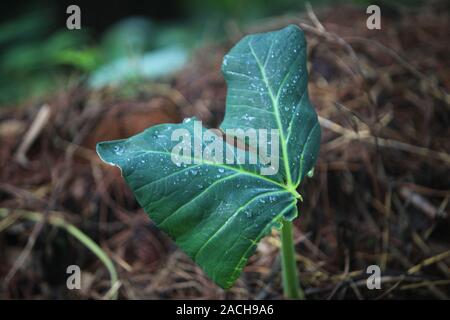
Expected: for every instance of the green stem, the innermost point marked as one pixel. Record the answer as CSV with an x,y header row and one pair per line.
x,y
76,233
291,285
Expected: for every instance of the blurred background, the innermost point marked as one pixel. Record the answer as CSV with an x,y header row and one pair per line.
x,y
381,187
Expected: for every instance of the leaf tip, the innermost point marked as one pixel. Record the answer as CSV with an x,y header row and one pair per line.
x,y
108,152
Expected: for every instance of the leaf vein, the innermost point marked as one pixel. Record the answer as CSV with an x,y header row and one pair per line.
x,y
233,215
198,196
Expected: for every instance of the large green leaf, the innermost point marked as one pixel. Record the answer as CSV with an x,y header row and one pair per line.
x,y
217,213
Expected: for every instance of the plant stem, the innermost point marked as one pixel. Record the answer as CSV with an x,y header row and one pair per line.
x,y
291,285
76,233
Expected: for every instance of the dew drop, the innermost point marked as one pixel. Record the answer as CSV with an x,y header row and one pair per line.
x,y
118,150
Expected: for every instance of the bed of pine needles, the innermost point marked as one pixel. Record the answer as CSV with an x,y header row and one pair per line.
x,y
379,194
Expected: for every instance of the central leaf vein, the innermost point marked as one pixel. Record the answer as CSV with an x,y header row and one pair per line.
x,y
277,115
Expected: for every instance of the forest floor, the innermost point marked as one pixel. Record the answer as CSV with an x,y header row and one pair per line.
x,y
379,195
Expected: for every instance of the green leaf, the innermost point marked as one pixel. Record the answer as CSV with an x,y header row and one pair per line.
x,y
217,213
151,65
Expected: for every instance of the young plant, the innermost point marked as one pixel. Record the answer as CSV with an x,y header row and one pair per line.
x,y
218,212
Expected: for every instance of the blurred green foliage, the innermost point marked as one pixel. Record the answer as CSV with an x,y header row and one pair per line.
x,y
136,48
33,59
36,57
